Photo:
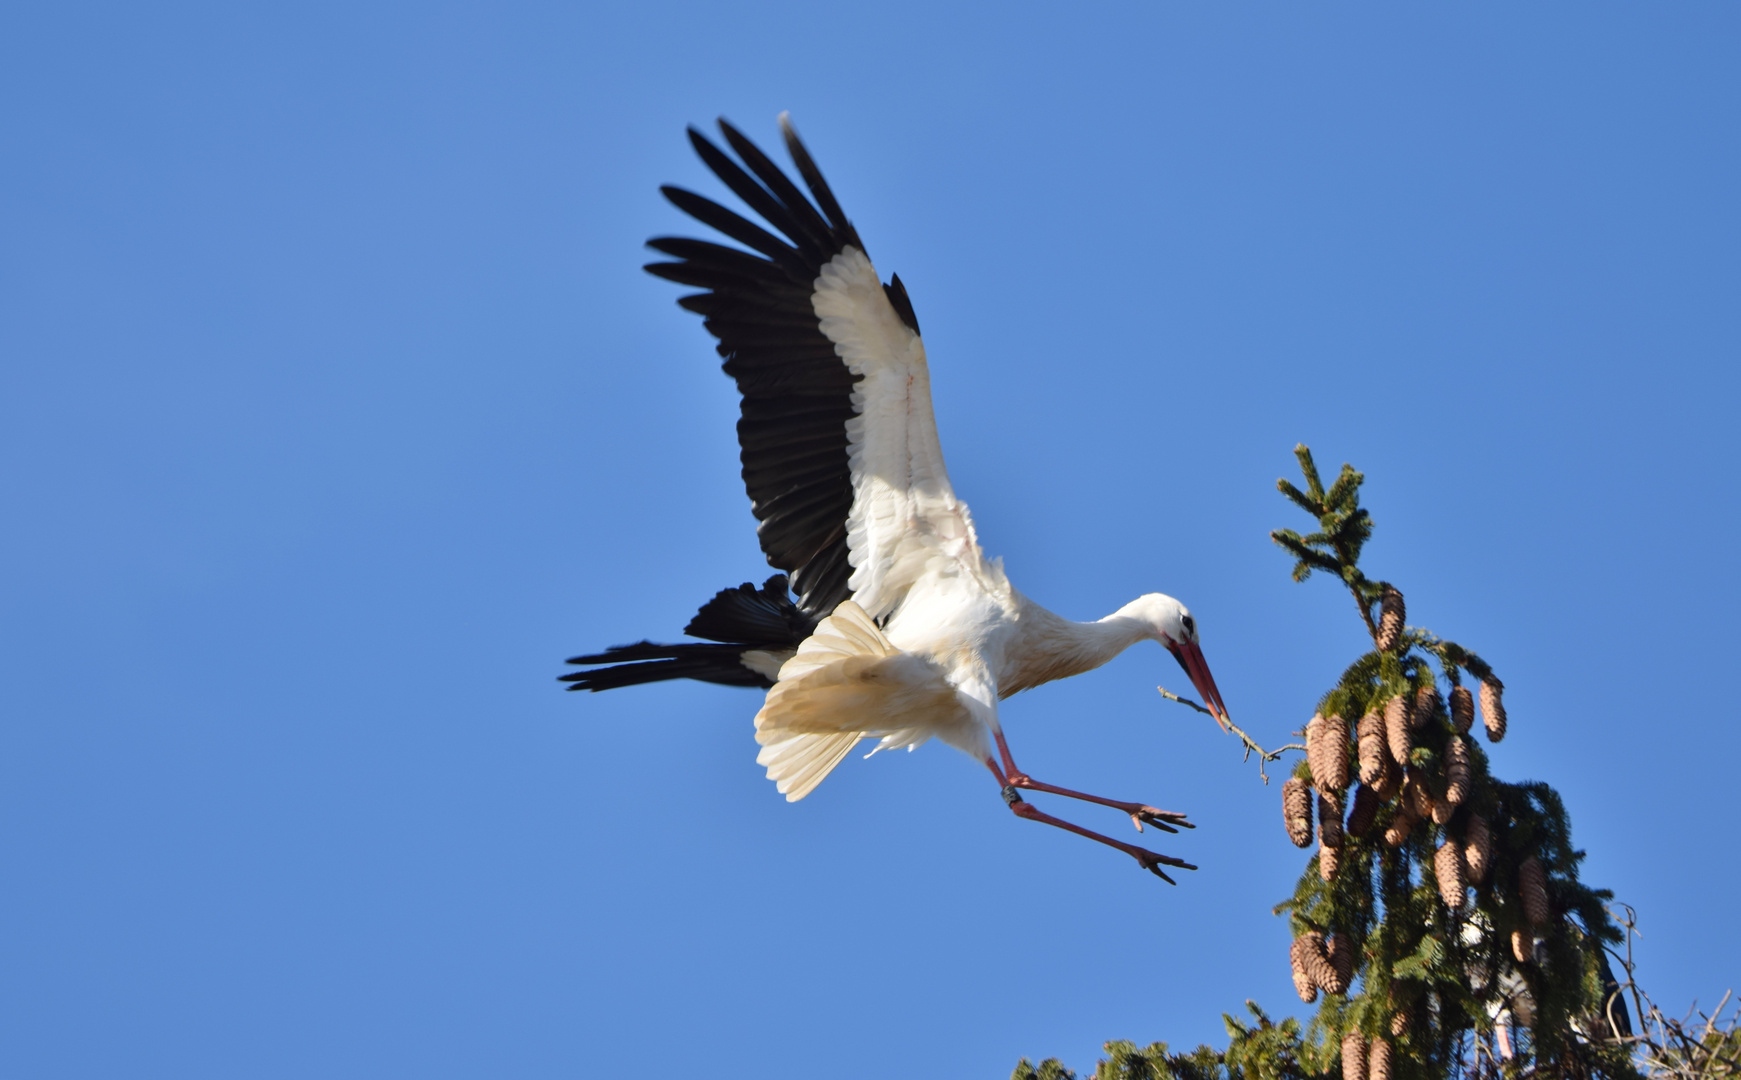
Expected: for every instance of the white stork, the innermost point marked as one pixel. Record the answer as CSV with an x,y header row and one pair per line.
x,y
902,630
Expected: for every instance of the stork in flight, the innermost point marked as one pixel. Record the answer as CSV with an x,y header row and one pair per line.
x,y
903,630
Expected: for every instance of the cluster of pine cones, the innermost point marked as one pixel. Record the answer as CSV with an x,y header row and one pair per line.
x,y
1321,963
1364,1059
1379,753
1381,747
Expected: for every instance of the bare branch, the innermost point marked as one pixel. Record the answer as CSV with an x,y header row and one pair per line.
x,y
1251,746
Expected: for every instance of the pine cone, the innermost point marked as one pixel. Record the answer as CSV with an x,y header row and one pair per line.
x,y
1329,820
1390,783
1315,750
1297,952
1523,946
1314,959
1426,705
1477,849
1396,728
1462,710
1372,751
1399,1023
1354,1056
1328,860
1403,823
1297,811
1448,866
1493,708
1532,889
1457,770
1420,800
1339,950
1333,750
1362,813
1391,613
1378,1060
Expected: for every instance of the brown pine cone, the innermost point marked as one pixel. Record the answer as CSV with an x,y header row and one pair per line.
x,y
1390,783
1328,860
1315,960
1493,708
1523,946
1426,705
1308,990
1420,800
1372,751
1399,1023
1315,750
1462,710
1354,1056
1333,751
1391,613
1457,770
1477,849
1403,823
1329,820
1448,866
1303,981
1297,811
1396,728
1340,952
1378,1060
1361,814
1532,889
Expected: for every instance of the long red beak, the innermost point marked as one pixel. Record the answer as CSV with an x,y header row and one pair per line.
x,y
1190,658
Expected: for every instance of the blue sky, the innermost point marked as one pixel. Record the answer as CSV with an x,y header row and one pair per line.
x,y
335,412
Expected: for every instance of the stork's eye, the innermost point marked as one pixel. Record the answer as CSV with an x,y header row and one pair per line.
x,y
1190,625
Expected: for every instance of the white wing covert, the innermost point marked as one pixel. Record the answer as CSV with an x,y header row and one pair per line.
x,y
905,518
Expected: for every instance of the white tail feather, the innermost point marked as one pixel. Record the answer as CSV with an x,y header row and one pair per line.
x,y
843,683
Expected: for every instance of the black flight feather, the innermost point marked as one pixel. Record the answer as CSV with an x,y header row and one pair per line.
x,y
818,186
897,294
778,183
742,619
797,393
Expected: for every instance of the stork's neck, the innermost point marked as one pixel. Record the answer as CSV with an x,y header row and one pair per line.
x,y
1047,646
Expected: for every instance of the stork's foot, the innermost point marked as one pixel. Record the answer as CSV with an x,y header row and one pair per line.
x,y
1151,861
1165,820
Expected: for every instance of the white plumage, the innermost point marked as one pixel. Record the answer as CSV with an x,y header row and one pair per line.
x,y
903,631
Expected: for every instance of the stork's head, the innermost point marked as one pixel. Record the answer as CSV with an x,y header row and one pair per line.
x,y
1172,625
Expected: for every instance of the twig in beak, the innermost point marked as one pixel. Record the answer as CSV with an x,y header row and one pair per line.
x,y
1263,756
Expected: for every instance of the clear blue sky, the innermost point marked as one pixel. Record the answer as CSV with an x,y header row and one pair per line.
x,y
335,412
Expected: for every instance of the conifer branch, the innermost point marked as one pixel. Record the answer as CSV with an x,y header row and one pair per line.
x,y
1345,484
1343,529
1310,471
1298,496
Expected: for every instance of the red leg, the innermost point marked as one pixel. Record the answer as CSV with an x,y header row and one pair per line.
x,y
1165,820
1149,860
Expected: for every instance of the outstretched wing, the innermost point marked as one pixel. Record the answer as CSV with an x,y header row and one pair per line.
x,y
839,446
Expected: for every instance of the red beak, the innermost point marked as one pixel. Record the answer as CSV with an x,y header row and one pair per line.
x,y
1190,658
